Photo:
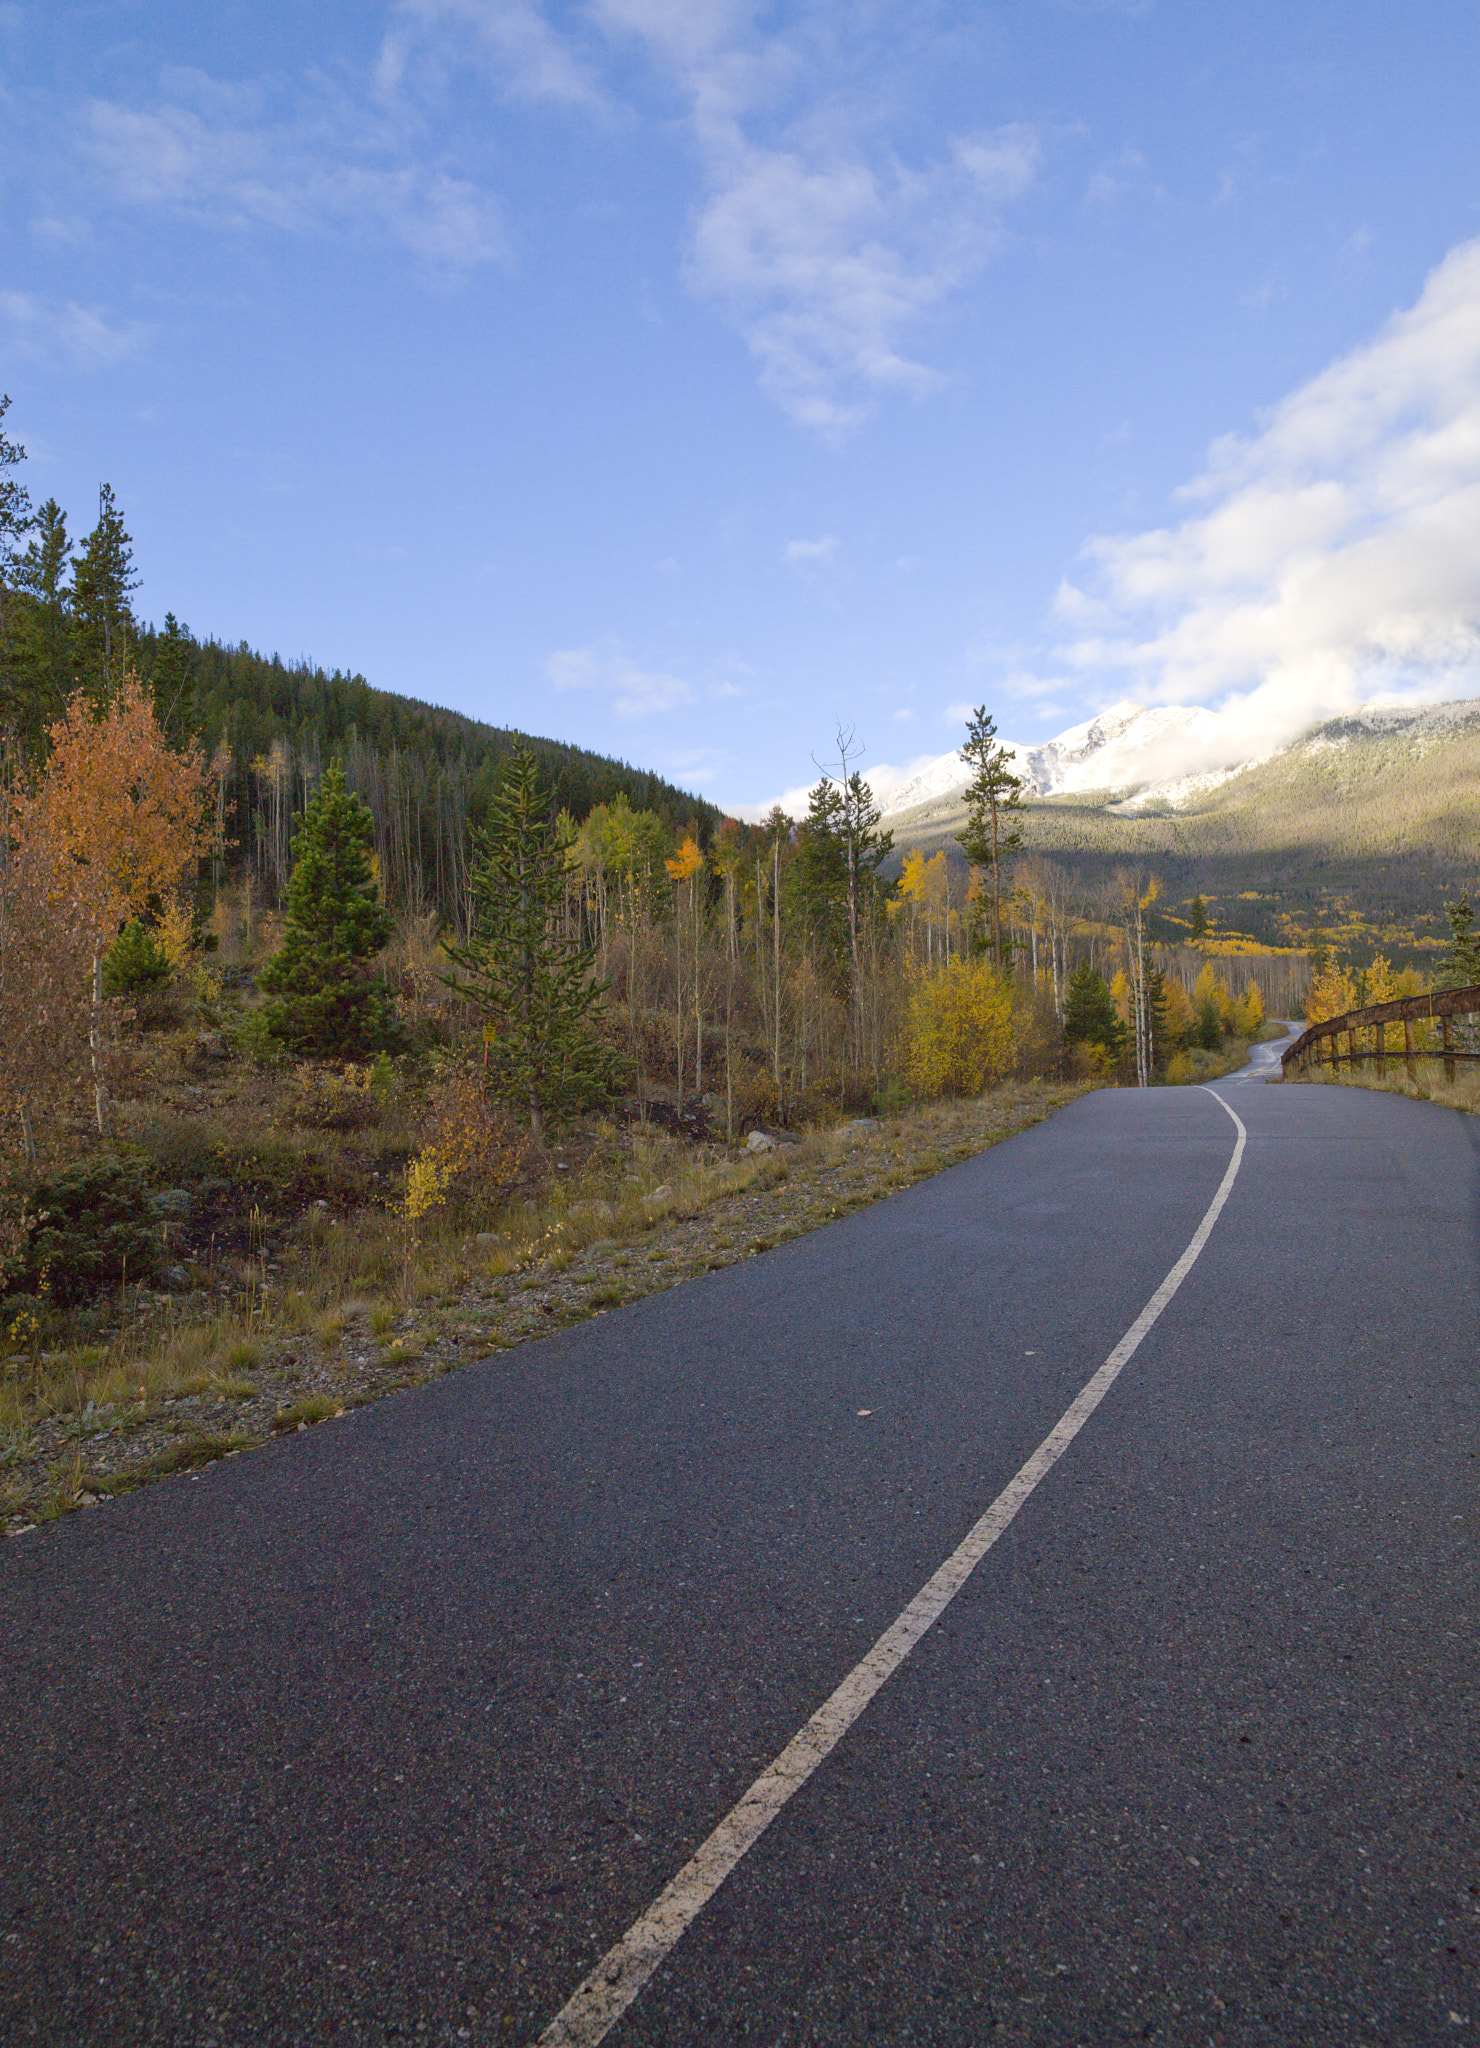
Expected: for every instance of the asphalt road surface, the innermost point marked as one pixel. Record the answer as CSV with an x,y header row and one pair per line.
x,y
390,1730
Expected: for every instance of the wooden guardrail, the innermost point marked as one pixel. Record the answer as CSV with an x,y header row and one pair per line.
x,y
1322,1041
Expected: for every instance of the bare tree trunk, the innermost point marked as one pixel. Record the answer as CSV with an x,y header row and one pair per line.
x,y
776,924
95,1041
698,995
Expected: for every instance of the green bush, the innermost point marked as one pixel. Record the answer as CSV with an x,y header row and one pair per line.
x,y
135,964
249,1038
93,1227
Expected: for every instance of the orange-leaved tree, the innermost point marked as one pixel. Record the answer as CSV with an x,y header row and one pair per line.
x,y
116,818
44,1007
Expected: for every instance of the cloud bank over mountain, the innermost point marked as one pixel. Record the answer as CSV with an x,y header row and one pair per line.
x,y
1328,562
1332,559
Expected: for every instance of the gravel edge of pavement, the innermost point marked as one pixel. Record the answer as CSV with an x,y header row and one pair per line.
x,y
300,1382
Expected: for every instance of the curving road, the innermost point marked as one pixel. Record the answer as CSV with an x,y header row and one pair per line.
x,y
391,1730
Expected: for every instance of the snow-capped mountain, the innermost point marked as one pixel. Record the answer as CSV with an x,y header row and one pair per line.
x,y
1127,750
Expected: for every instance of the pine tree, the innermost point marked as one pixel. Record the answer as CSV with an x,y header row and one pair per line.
x,y
15,519
992,838
1460,966
327,1000
1199,920
1158,1024
1089,1013
172,676
15,505
103,580
41,678
1209,1027
529,977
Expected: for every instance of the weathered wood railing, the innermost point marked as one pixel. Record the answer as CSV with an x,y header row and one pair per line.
x,y
1322,1041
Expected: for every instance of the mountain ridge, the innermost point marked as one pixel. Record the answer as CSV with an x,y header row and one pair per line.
x,y
1361,829
1124,753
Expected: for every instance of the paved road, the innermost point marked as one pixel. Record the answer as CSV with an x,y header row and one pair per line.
x,y
389,1731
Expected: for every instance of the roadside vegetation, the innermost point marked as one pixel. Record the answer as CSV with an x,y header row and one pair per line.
x,y
296,1108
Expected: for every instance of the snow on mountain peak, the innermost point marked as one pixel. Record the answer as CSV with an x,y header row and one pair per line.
x,y
1126,747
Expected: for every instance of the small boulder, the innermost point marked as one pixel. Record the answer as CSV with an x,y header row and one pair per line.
x,y
173,1205
175,1278
759,1141
662,1194
860,1127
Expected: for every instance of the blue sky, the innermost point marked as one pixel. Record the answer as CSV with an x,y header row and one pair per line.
x,y
684,378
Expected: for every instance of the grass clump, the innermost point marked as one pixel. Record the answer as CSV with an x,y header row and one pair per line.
x,y
305,1413
184,1456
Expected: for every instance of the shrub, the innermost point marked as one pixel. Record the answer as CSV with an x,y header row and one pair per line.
x,y
93,1227
322,1099
135,964
960,1029
248,1036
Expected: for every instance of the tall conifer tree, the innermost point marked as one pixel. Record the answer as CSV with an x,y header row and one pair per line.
x,y
992,838
529,977
327,999
41,671
1089,1014
15,519
103,580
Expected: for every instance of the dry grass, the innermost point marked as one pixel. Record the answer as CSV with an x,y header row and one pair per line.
x,y
311,1291
1428,1084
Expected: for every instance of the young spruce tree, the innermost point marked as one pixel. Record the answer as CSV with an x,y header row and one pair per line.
x,y
1460,966
327,1000
532,981
1090,1016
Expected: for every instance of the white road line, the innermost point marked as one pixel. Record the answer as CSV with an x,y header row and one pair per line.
x,y
599,2001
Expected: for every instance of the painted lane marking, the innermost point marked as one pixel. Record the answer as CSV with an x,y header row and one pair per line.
x,y
599,2001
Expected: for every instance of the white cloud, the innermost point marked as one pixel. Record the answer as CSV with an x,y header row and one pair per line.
x,y
826,250
804,553
513,39
1335,558
79,335
822,245
827,263
1126,173
319,165
635,692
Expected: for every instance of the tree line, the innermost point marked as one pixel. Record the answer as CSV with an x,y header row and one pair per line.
x,y
779,968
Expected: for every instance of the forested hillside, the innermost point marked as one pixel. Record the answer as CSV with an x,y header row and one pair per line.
x,y
427,774
270,727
